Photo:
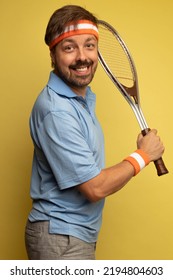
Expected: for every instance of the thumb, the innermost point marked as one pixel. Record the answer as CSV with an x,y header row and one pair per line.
x,y
140,136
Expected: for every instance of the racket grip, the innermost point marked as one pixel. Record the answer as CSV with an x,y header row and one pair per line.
x,y
159,163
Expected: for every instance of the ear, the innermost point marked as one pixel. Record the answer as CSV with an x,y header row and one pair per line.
x,y
52,55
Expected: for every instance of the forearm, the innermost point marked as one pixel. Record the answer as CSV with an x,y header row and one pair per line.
x,y
112,179
109,181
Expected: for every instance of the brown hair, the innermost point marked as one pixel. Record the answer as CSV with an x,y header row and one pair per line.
x,y
61,17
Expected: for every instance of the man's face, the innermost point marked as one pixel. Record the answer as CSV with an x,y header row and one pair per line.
x,y
75,59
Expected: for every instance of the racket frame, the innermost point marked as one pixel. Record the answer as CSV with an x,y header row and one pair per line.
x,y
130,98
130,94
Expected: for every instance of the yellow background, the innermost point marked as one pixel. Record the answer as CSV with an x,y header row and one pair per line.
x,y
138,220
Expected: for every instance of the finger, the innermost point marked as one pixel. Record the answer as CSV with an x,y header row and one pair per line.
x,y
153,131
140,136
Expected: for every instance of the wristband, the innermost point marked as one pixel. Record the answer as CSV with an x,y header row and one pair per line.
x,y
139,159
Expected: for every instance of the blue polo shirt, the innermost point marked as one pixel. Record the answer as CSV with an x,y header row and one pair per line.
x,y
68,150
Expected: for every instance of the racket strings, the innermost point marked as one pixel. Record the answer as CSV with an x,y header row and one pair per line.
x,y
115,57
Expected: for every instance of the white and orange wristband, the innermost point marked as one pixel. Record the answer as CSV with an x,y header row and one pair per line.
x,y
138,159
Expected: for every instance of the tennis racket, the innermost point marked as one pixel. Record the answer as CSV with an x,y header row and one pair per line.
x,y
119,66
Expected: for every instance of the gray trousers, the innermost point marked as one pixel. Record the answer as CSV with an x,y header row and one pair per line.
x,y
41,245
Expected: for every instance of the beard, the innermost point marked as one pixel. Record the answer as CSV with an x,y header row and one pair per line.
x,y
72,79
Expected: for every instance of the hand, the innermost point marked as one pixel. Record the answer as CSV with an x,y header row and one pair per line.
x,y
151,144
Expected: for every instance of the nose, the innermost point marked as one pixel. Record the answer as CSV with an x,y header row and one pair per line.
x,y
81,54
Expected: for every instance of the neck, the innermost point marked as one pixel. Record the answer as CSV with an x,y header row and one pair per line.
x,y
79,91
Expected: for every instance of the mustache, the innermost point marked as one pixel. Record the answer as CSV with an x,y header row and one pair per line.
x,y
81,63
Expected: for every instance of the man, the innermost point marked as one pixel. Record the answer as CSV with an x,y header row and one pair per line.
x,y
69,180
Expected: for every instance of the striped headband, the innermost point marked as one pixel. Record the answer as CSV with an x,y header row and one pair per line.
x,y
81,27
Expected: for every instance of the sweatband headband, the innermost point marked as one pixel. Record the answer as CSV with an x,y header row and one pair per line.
x,y
80,27
139,159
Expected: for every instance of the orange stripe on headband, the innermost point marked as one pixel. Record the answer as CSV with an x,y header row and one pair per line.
x,y
81,27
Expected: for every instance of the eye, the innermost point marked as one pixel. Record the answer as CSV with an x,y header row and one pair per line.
x,y
68,48
91,45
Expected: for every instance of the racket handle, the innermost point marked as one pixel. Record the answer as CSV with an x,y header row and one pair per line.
x,y
159,163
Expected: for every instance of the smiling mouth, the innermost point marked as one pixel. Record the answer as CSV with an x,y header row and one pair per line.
x,y
83,72
81,67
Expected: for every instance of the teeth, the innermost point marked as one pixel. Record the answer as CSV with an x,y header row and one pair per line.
x,y
81,69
